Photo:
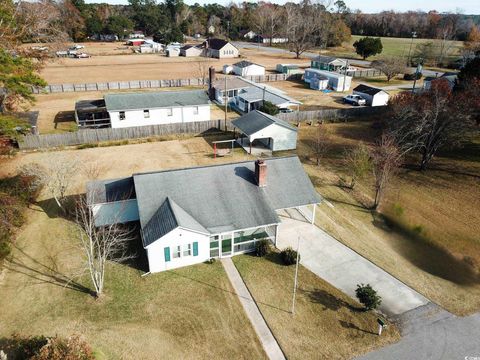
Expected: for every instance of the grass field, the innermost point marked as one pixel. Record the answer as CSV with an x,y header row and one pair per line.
x,y
327,324
394,47
435,246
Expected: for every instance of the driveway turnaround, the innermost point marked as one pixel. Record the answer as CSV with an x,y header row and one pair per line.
x,y
269,343
343,267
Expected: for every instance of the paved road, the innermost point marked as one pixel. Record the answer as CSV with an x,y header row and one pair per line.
x,y
430,333
344,268
266,337
248,45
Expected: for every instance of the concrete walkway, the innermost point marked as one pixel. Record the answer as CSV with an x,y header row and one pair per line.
x,y
344,268
269,343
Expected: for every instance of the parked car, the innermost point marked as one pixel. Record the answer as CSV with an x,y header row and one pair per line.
x,y
82,56
355,100
285,110
77,47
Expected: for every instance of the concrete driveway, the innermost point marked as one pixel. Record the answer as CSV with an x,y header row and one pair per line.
x,y
342,267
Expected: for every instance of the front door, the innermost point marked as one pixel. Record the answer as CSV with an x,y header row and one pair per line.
x,y
226,245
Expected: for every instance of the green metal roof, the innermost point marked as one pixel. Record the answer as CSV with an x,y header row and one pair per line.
x,y
152,100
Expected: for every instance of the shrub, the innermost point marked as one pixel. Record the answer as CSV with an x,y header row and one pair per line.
x,y
72,348
289,256
262,248
269,108
211,261
398,209
368,296
411,76
418,229
86,146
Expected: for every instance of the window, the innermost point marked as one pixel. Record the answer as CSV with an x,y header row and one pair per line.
x,y
176,252
146,114
122,115
170,112
187,250
195,110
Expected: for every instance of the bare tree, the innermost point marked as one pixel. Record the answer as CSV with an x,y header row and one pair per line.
x,y
321,143
358,161
103,243
386,159
268,19
56,176
390,66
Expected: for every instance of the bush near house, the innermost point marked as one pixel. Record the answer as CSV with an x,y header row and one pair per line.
x,y
269,108
262,248
368,296
289,256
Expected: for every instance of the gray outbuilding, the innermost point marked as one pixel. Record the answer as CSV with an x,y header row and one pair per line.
x,y
259,130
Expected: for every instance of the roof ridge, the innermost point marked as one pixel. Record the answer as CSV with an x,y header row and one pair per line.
x,y
209,166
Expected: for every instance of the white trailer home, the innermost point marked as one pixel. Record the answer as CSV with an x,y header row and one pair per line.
x,y
155,108
190,215
373,96
336,81
247,68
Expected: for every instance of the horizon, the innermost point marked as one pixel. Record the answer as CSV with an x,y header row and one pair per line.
x,y
466,7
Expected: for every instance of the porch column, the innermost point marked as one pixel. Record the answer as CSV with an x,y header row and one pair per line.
x,y
276,234
313,212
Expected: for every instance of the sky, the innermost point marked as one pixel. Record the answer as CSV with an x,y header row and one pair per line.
x,y
370,6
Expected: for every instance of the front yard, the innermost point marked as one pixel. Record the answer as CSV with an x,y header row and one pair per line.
x,y
327,324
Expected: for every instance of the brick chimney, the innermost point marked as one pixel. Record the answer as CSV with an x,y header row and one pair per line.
x,y
261,173
211,80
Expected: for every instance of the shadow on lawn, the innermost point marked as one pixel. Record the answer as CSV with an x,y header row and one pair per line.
x,y
349,325
428,256
329,301
42,273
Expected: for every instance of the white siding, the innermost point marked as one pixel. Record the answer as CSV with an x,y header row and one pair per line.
x,y
228,51
283,138
177,237
160,116
335,80
379,99
252,70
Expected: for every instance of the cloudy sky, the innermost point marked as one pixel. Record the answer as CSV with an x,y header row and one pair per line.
x,y
464,6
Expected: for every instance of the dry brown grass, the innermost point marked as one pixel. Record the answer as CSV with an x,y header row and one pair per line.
x,y
327,324
435,247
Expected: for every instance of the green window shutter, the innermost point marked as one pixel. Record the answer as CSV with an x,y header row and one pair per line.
x,y
195,248
166,252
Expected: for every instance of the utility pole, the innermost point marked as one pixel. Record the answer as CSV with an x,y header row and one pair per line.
x,y
414,35
345,76
296,277
226,102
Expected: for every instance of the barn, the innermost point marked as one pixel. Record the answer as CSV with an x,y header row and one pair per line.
x,y
373,96
259,130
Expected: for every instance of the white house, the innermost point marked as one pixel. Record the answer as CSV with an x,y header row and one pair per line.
x,y
246,95
191,50
373,96
155,108
270,131
247,68
336,81
190,215
265,39
220,49
248,34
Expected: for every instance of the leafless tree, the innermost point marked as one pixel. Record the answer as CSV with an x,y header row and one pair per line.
x,y
358,161
322,142
201,70
390,66
268,20
386,159
101,243
56,176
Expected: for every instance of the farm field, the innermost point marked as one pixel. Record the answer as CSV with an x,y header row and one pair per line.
x,y
327,324
430,237
393,47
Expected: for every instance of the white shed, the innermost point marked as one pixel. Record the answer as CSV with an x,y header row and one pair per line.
x,y
336,81
319,83
191,50
227,69
247,68
373,96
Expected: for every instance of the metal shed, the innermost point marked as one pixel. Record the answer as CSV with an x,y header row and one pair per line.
x,y
260,132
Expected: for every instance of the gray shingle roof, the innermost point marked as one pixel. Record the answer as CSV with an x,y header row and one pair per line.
x,y
254,93
245,63
168,217
327,59
226,197
255,121
368,89
152,100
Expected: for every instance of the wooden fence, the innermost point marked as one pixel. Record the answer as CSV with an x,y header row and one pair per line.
x,y
92,136
364,73
331,114
143,84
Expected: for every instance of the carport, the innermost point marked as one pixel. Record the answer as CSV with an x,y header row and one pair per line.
x,y
259,132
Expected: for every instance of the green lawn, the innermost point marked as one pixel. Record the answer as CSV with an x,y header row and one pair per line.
x,y
327,324
187,313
